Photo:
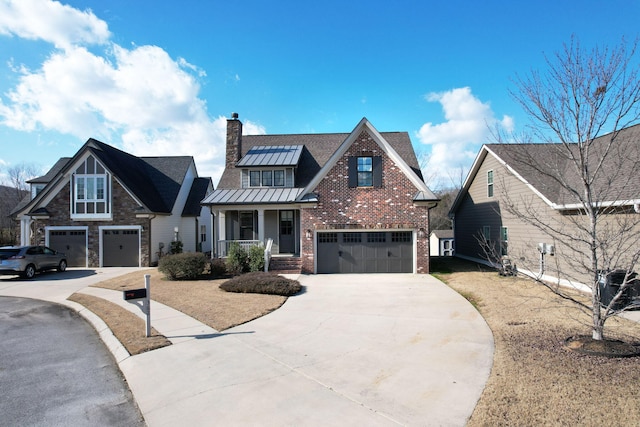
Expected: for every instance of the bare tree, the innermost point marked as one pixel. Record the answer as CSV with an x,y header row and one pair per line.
x,y
11,195
584,106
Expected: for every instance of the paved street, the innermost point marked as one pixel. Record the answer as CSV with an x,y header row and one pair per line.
x,y
55,370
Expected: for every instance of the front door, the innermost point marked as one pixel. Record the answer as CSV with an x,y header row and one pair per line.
x,y
287,240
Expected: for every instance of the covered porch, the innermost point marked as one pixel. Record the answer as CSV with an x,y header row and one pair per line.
x,y
249,227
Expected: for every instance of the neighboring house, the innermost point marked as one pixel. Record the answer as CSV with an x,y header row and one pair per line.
x,y
502,175
343,202
441,243
105,208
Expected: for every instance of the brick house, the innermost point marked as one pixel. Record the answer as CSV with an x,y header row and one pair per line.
x,y
105,208
330,203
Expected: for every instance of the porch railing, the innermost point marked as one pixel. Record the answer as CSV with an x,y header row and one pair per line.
x,y
223,245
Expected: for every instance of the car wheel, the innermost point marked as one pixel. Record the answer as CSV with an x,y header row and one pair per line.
x,y
30,271
62,266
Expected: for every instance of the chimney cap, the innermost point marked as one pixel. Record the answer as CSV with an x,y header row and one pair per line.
x,y
234,116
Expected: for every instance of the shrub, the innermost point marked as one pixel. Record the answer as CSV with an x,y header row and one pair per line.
x,y
262,283
184,266
175,247
256,258
218,267
237,260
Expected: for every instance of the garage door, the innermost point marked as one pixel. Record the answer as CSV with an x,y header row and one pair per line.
x,y
120,248
365,252
73,243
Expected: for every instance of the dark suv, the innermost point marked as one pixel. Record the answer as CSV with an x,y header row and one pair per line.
x,y
27,260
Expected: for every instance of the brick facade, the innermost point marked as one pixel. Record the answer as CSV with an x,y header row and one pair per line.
x,y
390,206
123,207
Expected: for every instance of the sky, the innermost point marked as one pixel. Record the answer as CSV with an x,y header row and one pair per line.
x,y
161,77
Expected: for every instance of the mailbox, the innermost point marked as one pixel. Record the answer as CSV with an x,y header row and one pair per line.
x,y
134,294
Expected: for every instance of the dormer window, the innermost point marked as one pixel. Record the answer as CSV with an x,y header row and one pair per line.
x,y
267,178
90,191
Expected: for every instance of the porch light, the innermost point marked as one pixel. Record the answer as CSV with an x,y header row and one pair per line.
x,y
307,233
175,234
422,233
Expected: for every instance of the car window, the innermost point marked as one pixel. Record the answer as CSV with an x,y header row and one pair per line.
x,y
48,251
34,251
8,253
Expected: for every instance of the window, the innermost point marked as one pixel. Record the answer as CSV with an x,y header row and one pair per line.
x,y
246,226
486,233
265,178
90,190
278,178
352,237
490,183
327,237
365,172
401,236
376,237
504,241
203,233
254,178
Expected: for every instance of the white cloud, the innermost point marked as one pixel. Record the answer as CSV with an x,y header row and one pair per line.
x,y
139,98
52,22
455,142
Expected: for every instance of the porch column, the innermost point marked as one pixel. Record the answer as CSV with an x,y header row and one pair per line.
x,y
222,232
261,225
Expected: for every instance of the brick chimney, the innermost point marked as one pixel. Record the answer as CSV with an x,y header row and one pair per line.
x,y
234,140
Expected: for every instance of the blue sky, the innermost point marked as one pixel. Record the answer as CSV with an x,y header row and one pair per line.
x,y
156,77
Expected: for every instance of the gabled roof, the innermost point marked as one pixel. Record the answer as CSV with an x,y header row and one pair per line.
x,y
198,191
443,234
272,155
540,165
318,154
57,167
154,181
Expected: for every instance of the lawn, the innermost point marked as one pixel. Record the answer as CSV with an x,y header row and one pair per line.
x,y
535,380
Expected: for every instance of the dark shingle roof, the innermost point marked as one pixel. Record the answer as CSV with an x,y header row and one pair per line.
x,y
318,148
197,193
46,178
542,165
155,181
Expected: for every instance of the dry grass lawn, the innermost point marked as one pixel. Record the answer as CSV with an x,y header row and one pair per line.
x,y
126,326
535,380
200,299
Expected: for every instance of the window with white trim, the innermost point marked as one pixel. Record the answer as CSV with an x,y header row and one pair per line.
x,y
504,241
490,183
268,178
90,190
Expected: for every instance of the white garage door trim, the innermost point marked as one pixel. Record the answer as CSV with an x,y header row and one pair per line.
x,y
101,230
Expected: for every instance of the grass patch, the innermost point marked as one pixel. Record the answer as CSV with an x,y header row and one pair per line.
x,y
201,299
128,328
262,283
535,380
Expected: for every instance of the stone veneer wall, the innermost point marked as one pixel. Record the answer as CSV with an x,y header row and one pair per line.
x,y
123,213
388,207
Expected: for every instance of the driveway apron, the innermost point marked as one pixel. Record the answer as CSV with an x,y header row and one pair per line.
x,y
383,349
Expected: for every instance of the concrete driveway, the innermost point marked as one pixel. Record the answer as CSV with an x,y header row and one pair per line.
x,y
375,350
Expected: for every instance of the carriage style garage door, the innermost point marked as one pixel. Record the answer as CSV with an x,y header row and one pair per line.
x,y
73,243
365,252
120,248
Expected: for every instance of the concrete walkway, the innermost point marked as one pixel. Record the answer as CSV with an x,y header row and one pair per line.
x,y
375,350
